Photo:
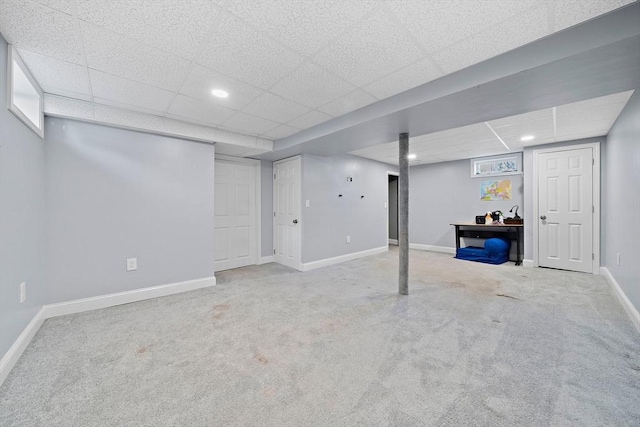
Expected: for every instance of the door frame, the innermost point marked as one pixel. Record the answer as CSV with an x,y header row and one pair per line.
x,y
297,158
595,146
258,187
390,173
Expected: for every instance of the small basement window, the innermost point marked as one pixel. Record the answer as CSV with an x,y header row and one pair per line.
x,y
25,96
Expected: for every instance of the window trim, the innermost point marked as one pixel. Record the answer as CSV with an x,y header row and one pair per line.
x,y
13,56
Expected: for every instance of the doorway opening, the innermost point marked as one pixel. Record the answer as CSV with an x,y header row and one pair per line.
x,y
392,210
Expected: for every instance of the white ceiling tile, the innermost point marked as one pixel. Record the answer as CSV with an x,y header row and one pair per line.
x,y
571,12
174,26
120,56
568,128
39,29
243,122
431,21
54,75
312,86
108,86
276,108
356,56
408,77
351,101
309,119
123,106
533,127
498,39
281,131
63,6
237,50
67,107
589,104
201,81
120,117
191,109
601,112
304,26
522,118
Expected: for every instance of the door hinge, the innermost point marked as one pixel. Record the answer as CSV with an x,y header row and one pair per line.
x,y
593,257
274,251
274,176
593,162
274,214
593,209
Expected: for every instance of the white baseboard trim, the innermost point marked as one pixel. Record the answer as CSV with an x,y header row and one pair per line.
x,y
527,263
10,359
265,260
342,258
432,248
110,300
393,242
103,301
632,312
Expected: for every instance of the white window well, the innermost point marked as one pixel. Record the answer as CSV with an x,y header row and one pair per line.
x,y
25,96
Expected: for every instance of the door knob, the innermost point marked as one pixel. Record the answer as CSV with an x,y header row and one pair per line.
x,y
543,217
295,221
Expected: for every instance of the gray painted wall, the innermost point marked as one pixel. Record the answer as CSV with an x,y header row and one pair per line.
x,y
621,201
528,186
114,194
266,200
22,211
329,219
393,207
443,193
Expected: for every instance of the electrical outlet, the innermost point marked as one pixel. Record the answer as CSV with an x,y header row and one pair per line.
x,y
23,292
348,239
132,264
618,259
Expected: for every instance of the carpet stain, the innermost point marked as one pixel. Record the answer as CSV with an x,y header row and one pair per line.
x,y
507,296
260,358
217,316
142,350
268,392
636,368
221,307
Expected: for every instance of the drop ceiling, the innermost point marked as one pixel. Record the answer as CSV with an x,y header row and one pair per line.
x,y
584,119
287,65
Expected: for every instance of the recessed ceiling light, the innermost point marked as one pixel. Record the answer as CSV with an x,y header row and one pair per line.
x,y
411,156
527,138
220,93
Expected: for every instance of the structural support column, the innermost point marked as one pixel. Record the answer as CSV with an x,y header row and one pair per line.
x,y
403,215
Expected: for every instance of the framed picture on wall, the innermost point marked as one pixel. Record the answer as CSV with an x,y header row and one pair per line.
x,y
510,164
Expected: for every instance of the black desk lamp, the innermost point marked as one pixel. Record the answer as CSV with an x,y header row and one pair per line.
x,y
516,215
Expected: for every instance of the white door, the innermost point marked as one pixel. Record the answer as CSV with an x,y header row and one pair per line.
x,y
566,209
286,206
235,215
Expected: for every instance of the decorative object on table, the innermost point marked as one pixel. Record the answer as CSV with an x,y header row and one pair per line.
x,y
488,218
516,218
495,251
480,219
497,165
495,190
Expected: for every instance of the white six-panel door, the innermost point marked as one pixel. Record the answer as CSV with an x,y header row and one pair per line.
x,y
286,206
235,215
566,209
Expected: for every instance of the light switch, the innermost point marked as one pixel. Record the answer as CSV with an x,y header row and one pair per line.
x,y
306,203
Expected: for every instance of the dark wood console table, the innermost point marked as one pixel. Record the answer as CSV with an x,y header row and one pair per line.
x,y
483,231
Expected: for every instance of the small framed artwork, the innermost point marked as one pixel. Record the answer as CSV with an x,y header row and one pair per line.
x,y
510,164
